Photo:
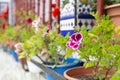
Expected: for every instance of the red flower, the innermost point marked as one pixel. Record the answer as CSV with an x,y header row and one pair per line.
x,y
4,13
56,12
53,5
29,20
3,25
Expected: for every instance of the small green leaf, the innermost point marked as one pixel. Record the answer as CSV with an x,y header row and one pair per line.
x,y
68,52
89,64
116,76
54,66
22,55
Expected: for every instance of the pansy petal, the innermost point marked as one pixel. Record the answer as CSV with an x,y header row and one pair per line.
x,y
78,37
72,44
68,44
75,46
72,37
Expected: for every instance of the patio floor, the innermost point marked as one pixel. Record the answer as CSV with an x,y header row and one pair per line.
x,y
12,70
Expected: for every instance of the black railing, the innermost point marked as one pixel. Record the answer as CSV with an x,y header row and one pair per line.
x,y
46,69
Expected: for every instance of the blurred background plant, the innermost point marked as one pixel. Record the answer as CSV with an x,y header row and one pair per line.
x,y
10,35
47,43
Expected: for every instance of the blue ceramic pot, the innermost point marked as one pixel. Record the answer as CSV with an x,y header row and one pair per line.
x,y
4,48
12,52
71,62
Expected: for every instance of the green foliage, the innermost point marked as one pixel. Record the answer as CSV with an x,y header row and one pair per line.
x,y
8,33
116,76
100,46
65,2
68,52
19,32
96,45
8,36
52,43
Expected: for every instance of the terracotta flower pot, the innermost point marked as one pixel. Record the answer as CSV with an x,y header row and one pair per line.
x,y
114,12
76,73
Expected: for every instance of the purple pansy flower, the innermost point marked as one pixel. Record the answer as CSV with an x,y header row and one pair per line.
x,y
74,41
29,20
47,30
77,37
68,44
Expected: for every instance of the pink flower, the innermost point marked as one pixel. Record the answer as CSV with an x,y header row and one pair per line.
x,y
21,21
47,30
29,20
11,44
74,41
68,44
77,37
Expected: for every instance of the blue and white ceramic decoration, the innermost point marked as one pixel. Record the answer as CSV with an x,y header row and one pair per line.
x,y
67,19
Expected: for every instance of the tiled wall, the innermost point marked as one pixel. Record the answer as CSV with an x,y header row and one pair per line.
x,y
84,17
68,15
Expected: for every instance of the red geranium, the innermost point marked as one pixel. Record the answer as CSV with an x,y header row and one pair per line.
x,y
4,13
56,12
3,25
53,5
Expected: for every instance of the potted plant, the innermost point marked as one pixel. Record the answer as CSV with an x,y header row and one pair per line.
x,y
13,35
50,48
18,32
113,10
99,48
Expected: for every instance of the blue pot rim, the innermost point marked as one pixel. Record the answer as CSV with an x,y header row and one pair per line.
x,y
76,61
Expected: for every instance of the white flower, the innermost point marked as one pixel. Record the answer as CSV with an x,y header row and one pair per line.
x,y
36,24
18,47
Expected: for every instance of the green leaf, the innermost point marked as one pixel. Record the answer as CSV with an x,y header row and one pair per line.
x,y
54,66
68,52
116,76
89,64
22,55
